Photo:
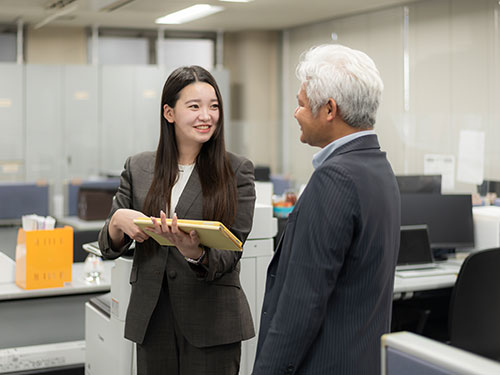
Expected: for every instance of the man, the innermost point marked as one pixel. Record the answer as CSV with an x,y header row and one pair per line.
x,y
330,284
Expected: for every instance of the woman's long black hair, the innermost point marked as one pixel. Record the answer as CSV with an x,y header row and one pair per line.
x,y
212,163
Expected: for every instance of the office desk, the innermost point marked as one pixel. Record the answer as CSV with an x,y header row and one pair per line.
x,y
84,232
43,316
405,288
421,304
34,317
79,224
8,240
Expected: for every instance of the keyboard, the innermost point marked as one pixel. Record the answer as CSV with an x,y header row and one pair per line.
x,y
438,271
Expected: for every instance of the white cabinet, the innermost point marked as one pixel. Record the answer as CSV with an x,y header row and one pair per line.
x,y
44,134
117,112
80,121
257,255
62,123
148,86
11,122
130,97
11,112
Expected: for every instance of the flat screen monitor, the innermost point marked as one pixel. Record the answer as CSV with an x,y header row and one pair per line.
x,y
414,247
448,217
426,184
489,186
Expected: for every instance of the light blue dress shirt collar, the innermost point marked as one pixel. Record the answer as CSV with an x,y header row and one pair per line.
x,y
326,151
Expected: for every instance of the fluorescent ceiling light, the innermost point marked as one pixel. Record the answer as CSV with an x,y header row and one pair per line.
x,y
189,14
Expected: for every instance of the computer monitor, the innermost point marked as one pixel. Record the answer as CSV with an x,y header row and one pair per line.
x,y
489,186
262,173
430,184
414,247
448,217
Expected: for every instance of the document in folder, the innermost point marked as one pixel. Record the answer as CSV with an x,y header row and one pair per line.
x,y
211,233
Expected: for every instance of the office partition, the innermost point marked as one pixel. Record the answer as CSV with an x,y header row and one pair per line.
x,y
411,354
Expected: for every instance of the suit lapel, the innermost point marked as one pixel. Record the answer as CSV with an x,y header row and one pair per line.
x,y
191,192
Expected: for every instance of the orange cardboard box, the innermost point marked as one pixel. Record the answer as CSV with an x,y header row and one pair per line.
x,y
44,258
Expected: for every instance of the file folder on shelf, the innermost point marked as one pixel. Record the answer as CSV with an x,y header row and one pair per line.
x,y
211,233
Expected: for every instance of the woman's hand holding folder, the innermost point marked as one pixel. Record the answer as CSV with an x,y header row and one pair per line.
x,y
187,243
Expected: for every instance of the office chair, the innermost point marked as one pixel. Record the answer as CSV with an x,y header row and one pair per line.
x,y
474,317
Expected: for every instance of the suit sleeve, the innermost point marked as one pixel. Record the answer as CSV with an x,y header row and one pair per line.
x,y
223,261
122,199
324,227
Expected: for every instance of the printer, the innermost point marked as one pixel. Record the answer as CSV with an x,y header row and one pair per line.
x,y
107,352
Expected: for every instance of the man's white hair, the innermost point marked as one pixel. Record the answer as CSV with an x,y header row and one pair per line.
x,y
347,76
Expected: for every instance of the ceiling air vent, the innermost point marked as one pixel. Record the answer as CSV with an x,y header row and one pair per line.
x,y
58,4
109,5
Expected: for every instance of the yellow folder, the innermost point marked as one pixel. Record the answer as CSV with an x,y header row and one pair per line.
x,y
211,233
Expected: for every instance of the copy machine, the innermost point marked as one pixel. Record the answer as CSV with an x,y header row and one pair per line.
x,y
109,353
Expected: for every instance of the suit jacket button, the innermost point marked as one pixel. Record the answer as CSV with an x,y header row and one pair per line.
x,y
172,274
290,369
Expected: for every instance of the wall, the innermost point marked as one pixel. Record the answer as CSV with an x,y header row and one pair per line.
x,y
453,71
56,45
252,60
372,33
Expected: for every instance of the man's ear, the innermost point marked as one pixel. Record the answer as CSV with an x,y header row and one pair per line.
x,y
332,109
168,113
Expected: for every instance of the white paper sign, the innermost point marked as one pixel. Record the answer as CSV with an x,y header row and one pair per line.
x,y
443,165
470,168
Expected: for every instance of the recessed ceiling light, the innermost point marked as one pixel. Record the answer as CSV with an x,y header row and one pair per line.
x,y
189,14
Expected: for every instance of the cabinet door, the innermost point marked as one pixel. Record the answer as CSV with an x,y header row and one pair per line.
x,y
131,97
11,122
44,130
147,90
117,98
81,121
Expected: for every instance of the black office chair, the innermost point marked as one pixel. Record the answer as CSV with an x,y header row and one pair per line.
x,y
474,318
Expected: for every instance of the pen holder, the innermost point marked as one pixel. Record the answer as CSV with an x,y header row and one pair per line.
x,y
44,258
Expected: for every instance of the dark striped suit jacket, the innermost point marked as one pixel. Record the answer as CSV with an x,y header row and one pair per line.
x,y
330,284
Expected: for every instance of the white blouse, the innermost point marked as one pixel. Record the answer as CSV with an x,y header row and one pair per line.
x,y
184,174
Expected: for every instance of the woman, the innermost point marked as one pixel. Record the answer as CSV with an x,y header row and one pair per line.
x,y
187,312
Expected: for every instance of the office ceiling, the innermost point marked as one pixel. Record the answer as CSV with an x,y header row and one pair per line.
x,y
256,15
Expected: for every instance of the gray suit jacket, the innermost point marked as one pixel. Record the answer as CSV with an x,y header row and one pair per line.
x,y
212,310
330,284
